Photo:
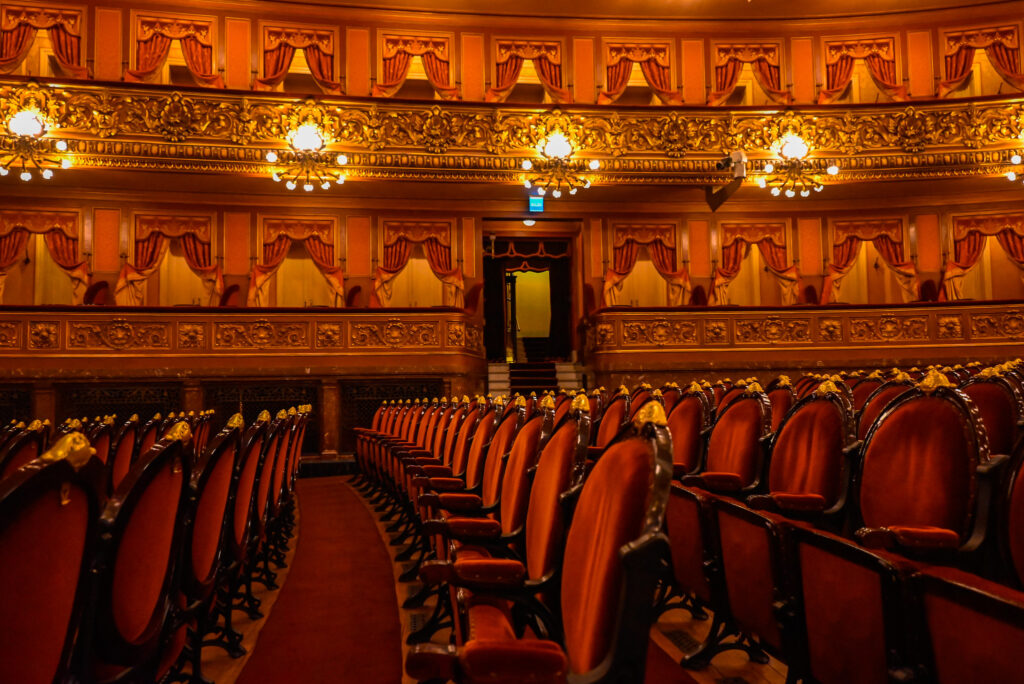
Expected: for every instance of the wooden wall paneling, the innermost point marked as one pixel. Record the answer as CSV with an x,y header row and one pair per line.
x,y
694,72
473,67
239,52
107,60
804,71
585,66
357,61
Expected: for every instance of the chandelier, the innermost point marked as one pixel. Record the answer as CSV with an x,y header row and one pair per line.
x,y
1016,160
793,172
555,170
25,148
307,163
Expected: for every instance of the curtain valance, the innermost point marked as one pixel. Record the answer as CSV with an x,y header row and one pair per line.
x,y
173,226
39,222
415,232
41,18
987,225
529,49
753,233
175,29
867,230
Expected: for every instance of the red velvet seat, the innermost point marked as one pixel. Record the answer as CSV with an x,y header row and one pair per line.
x,y
606,590
926,476
863,387
48,531
615,416
24,446
1001,407
781,397
141,529
688,423
879,399
122,448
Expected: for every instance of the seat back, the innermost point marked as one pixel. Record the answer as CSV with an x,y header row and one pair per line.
x,y
147,436
559,468
265,475
48,526
25,446
141,527
607,593
480,451
445,414
863,388
122,448
1001,408
639,397
596,400
670,395
1011,521
731,394
806,384
878,400
807,453
451,431
100,437
687,423
522,457
563,402
210,491
920,459
719,390
615,416
466,439
735,443
240,514
493,471
281,462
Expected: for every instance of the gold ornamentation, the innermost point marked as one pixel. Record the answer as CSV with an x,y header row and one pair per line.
x,y
652,412
179,432
43,335
933,380
236,422
394,333
40,222
888,327
826,388
867,230
752,389
987,224
784,381
520,401
1008,325
73,447
172,226
830,329
117,334
659,332
264,416
261,334
547,402
716,332
191,336
580,402
773,330
10,335
329,336
949,327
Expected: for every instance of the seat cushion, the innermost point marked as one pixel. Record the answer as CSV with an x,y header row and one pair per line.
x,y
725,482
799,502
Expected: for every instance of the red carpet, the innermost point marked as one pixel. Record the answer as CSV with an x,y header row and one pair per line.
x,y
336,618
663,670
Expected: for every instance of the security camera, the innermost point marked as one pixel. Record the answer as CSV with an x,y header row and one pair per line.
x,y
737,161
723,164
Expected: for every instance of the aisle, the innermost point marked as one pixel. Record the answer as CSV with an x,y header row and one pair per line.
x,y
336,618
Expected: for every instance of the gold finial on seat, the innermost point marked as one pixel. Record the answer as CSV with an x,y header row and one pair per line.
x,y
74,424
656,393
623,390
73,447
741,383
990,372
134,418
875,375
444,400
645,385
465,399
236,421
652,412
752,389
170,416
109,420
533,395
157,416
35,426
580,403
784,381
548,402
827,387
46,422
179,432
293,411
933,381
704,384
264,416
481,401
595,392
520,401
281,415
20,425
695,387
900,376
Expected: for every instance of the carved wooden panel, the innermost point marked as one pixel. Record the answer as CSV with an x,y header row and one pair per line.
x,y
250,398
98,399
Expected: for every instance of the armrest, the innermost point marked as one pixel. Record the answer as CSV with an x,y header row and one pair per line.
x,y
473,529
437,471
988,478
489,572
460,503
907,537
447,484
432,662
513,660
853,448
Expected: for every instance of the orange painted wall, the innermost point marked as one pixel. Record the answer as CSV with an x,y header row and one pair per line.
x,y
237,53
802,64
358,246
473,66
809,236
694,91
107,65
929,244
596,248
700,249
920,64
357,61
237,251
585,90
106,240
470,253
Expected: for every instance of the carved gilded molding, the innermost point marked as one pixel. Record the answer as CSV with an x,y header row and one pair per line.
x,y
144,128
644,233
414,45
417,231
991,224
867,229
747,52
175,28
173,226
298,37
528,49
660,52
980,38
860,48
299,228
754,232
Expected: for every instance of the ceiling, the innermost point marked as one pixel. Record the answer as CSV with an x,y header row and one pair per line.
x,y
739,10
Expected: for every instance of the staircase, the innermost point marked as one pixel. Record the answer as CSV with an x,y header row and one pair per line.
x,y
532,377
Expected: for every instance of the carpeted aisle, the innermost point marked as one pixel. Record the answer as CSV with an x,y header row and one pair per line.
x,y
336,618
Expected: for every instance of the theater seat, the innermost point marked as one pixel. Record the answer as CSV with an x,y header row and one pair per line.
x,y
611,561
24,446
879,399
688,423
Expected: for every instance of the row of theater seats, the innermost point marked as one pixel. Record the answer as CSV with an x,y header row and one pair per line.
x,y
124,547
860,527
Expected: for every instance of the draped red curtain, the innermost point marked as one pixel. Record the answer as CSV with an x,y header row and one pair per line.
x,y
891,252
624,258
774,257
67,48
726,77
659,78
199,60
322,254
1006,61
395,68
14,44
728,268
551,78
439,74
883,71
1013,245
663,257
276,61
321,66
12,248
837,77
843,256
505,76
769,76
616,78
273,254
64,251
150,56
199,258
788,276
958,68
439,257
966,252
148,253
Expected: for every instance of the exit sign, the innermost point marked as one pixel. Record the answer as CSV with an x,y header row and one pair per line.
x,y
537,204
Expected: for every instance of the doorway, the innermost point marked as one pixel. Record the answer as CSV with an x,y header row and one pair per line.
x,y
527,299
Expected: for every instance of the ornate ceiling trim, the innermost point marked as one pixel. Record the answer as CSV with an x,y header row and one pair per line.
x,y
144,127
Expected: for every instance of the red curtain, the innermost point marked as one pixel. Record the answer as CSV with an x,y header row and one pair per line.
x,y
64,251
12,248
439,257
728,268
788,276
664,259
1006,61
1013,245
199,60
616,78
905,271
148,254
198,257
273,254
958,68
321,66
275,66
843,256
659,78
439,74
67,48
551,78
837,78
505,76
883,71
769,76
966,252
322,254
150,56
394,70
726,77
14,44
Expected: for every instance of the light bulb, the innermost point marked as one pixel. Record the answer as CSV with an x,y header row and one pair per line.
x,y
342,160
3,171
790,193
572,191
62,146
769,168
762,183
26,176
326,185
819,188
27,123
529,222
276,177
557,146
776,192
307,138
527,165
308,187
805,193
586,183
47,174
832,170
341,180
65,163
556,193
1015,159
1011,175
793,147
272,156
594,164
290,185
541,191
527,184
